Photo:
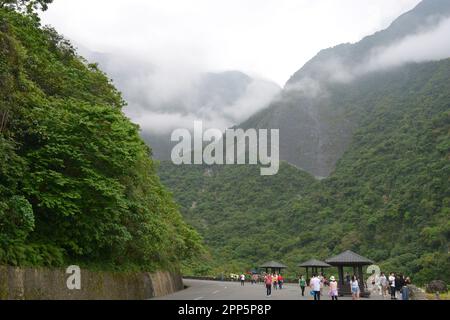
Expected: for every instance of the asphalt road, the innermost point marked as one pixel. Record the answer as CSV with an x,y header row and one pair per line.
x,y
214,290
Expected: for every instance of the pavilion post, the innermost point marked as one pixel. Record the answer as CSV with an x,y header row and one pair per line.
x,y
362,282
341,280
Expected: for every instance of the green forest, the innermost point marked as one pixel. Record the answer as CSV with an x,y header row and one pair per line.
x,y
77,183
388,198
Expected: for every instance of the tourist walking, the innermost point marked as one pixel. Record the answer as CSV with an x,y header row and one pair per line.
x,y
315,286
373,283
255,278
399,281
405,289
268,283
280,281
322,279
333,288
302,284
392,286
275,281
384,285
242,280
354,283
347,278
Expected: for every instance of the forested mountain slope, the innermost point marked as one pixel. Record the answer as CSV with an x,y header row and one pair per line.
x,y
389,198
320,107
383,141
76,181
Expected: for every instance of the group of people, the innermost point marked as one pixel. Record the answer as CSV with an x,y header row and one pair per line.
x,y
393,285
317,283
273,280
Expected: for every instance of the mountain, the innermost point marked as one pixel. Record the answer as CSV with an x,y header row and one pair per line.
x,y
221,100
380,136
164,98
316,113
77,184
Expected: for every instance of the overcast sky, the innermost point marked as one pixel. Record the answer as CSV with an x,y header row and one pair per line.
x,y
268,38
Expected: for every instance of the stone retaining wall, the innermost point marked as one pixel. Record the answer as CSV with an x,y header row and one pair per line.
x,y
46,284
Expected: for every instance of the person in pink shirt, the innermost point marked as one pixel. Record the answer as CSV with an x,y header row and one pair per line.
x,y
333,288
268,281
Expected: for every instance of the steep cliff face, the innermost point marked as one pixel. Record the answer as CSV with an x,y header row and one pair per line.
x,y
324,102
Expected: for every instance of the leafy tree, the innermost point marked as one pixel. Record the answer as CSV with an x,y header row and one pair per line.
x,y
28,6
77,183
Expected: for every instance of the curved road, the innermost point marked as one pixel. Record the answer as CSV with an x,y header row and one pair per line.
x,y
216,290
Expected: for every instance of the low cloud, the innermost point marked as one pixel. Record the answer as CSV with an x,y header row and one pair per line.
x,y
166,94
432,45
423,46
162,124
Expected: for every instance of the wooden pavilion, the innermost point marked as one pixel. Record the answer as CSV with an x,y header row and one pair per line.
x,y
314,265
354,260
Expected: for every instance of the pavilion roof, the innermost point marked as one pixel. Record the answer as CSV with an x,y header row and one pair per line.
x,y
314,263
274,264
349,258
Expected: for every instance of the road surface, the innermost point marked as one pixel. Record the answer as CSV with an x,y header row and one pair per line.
x,y
216,290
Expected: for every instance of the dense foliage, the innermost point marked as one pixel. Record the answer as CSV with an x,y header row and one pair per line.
x,y
25,6
77,184
388,199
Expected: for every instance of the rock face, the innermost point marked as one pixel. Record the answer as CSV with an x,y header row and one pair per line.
x,y
45,284
225,98
324,102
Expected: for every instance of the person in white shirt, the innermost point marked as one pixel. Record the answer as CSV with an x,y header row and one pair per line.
x,y
315,286
392,286
242,279
384,285
355,288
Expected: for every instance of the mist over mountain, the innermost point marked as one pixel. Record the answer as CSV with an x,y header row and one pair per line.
x,y
316,112
163,97
373,118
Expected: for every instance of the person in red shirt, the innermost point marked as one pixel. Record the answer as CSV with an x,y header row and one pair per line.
x,y
280,281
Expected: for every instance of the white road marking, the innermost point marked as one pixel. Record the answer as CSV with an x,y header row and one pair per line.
x,y
216,292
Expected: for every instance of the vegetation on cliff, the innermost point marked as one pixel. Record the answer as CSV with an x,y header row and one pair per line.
x,y
77,183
